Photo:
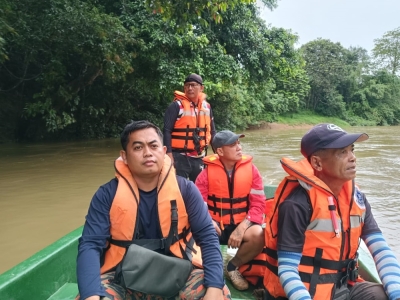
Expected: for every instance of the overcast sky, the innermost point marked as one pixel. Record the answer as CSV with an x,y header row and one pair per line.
x,y
350,22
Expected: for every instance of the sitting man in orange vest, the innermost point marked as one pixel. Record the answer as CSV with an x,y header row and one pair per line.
x,y
313,234
147,204
232,187
188,128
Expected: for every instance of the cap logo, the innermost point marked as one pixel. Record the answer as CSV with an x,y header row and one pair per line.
x,y
334,127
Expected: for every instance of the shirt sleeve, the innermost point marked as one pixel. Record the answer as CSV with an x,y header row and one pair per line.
x,y
294,217
203,233
386,264
256,198
202,184
92,243
370,225
170,116
213,131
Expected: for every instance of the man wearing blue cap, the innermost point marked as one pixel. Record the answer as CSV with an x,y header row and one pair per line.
x,y
312,236
189,128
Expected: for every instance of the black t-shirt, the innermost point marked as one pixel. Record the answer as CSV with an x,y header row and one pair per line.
x,y
294,217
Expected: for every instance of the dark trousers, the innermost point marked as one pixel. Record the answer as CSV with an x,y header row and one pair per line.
x,y
187,166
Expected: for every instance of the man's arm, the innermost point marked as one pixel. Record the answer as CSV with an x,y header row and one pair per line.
x,y
170,116
293,219
212,131
256,199
93,241
288,272
202,184
203,233
256,210
386,262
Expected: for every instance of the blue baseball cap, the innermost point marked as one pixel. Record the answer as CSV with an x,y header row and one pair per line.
x,y
328,136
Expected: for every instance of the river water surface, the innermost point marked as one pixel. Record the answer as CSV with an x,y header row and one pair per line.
x,y
46,188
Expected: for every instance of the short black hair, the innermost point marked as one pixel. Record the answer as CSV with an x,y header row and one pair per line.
x,y
135,126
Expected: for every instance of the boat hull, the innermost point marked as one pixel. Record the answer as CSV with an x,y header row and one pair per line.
x,y
51,273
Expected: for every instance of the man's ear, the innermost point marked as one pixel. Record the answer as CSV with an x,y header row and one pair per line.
x,y
315,162
122,153
220,152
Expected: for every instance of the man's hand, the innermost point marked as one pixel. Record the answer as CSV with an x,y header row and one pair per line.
x,y
235,240
217,229
213,293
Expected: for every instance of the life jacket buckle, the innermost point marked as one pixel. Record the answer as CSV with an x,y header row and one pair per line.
x,y
352,269
162,243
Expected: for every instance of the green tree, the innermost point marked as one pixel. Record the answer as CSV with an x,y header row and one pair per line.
x,y
386,51
376,100
83,68
187,11
327,67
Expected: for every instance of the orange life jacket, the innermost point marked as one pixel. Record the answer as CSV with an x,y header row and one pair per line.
x,y
190,123
254,270
177,237
325,256
228,197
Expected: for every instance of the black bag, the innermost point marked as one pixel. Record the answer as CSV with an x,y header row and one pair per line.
x,y
149,272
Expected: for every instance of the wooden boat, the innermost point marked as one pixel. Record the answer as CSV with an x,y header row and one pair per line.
x,y
50,273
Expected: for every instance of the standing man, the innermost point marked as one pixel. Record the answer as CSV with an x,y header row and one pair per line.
x,y
232,187
147,204
189,128
320,215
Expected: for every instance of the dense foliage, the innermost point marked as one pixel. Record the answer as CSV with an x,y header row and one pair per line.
x,y
82,68
349,84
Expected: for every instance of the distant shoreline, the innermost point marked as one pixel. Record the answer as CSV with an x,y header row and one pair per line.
x,y
278,126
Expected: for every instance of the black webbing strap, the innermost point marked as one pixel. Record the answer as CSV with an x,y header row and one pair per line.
x,y
315,275
309,261
227,211
152,244
179,137
326,263
189,129
173,231
227,200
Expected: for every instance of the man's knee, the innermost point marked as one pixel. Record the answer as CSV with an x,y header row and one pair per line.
x,y
195,289
255,235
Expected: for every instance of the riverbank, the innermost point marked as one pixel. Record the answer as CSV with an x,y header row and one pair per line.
x,y
301,120
278,126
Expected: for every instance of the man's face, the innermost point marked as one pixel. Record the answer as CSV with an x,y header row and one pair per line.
x,y
144,153
338,164
232,152
192,90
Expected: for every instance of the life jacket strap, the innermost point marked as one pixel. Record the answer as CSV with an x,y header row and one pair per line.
x,y
227,200
200,129
227,211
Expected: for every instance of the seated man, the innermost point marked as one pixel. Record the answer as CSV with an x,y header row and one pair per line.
x,y
320,215
232,187
139,204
